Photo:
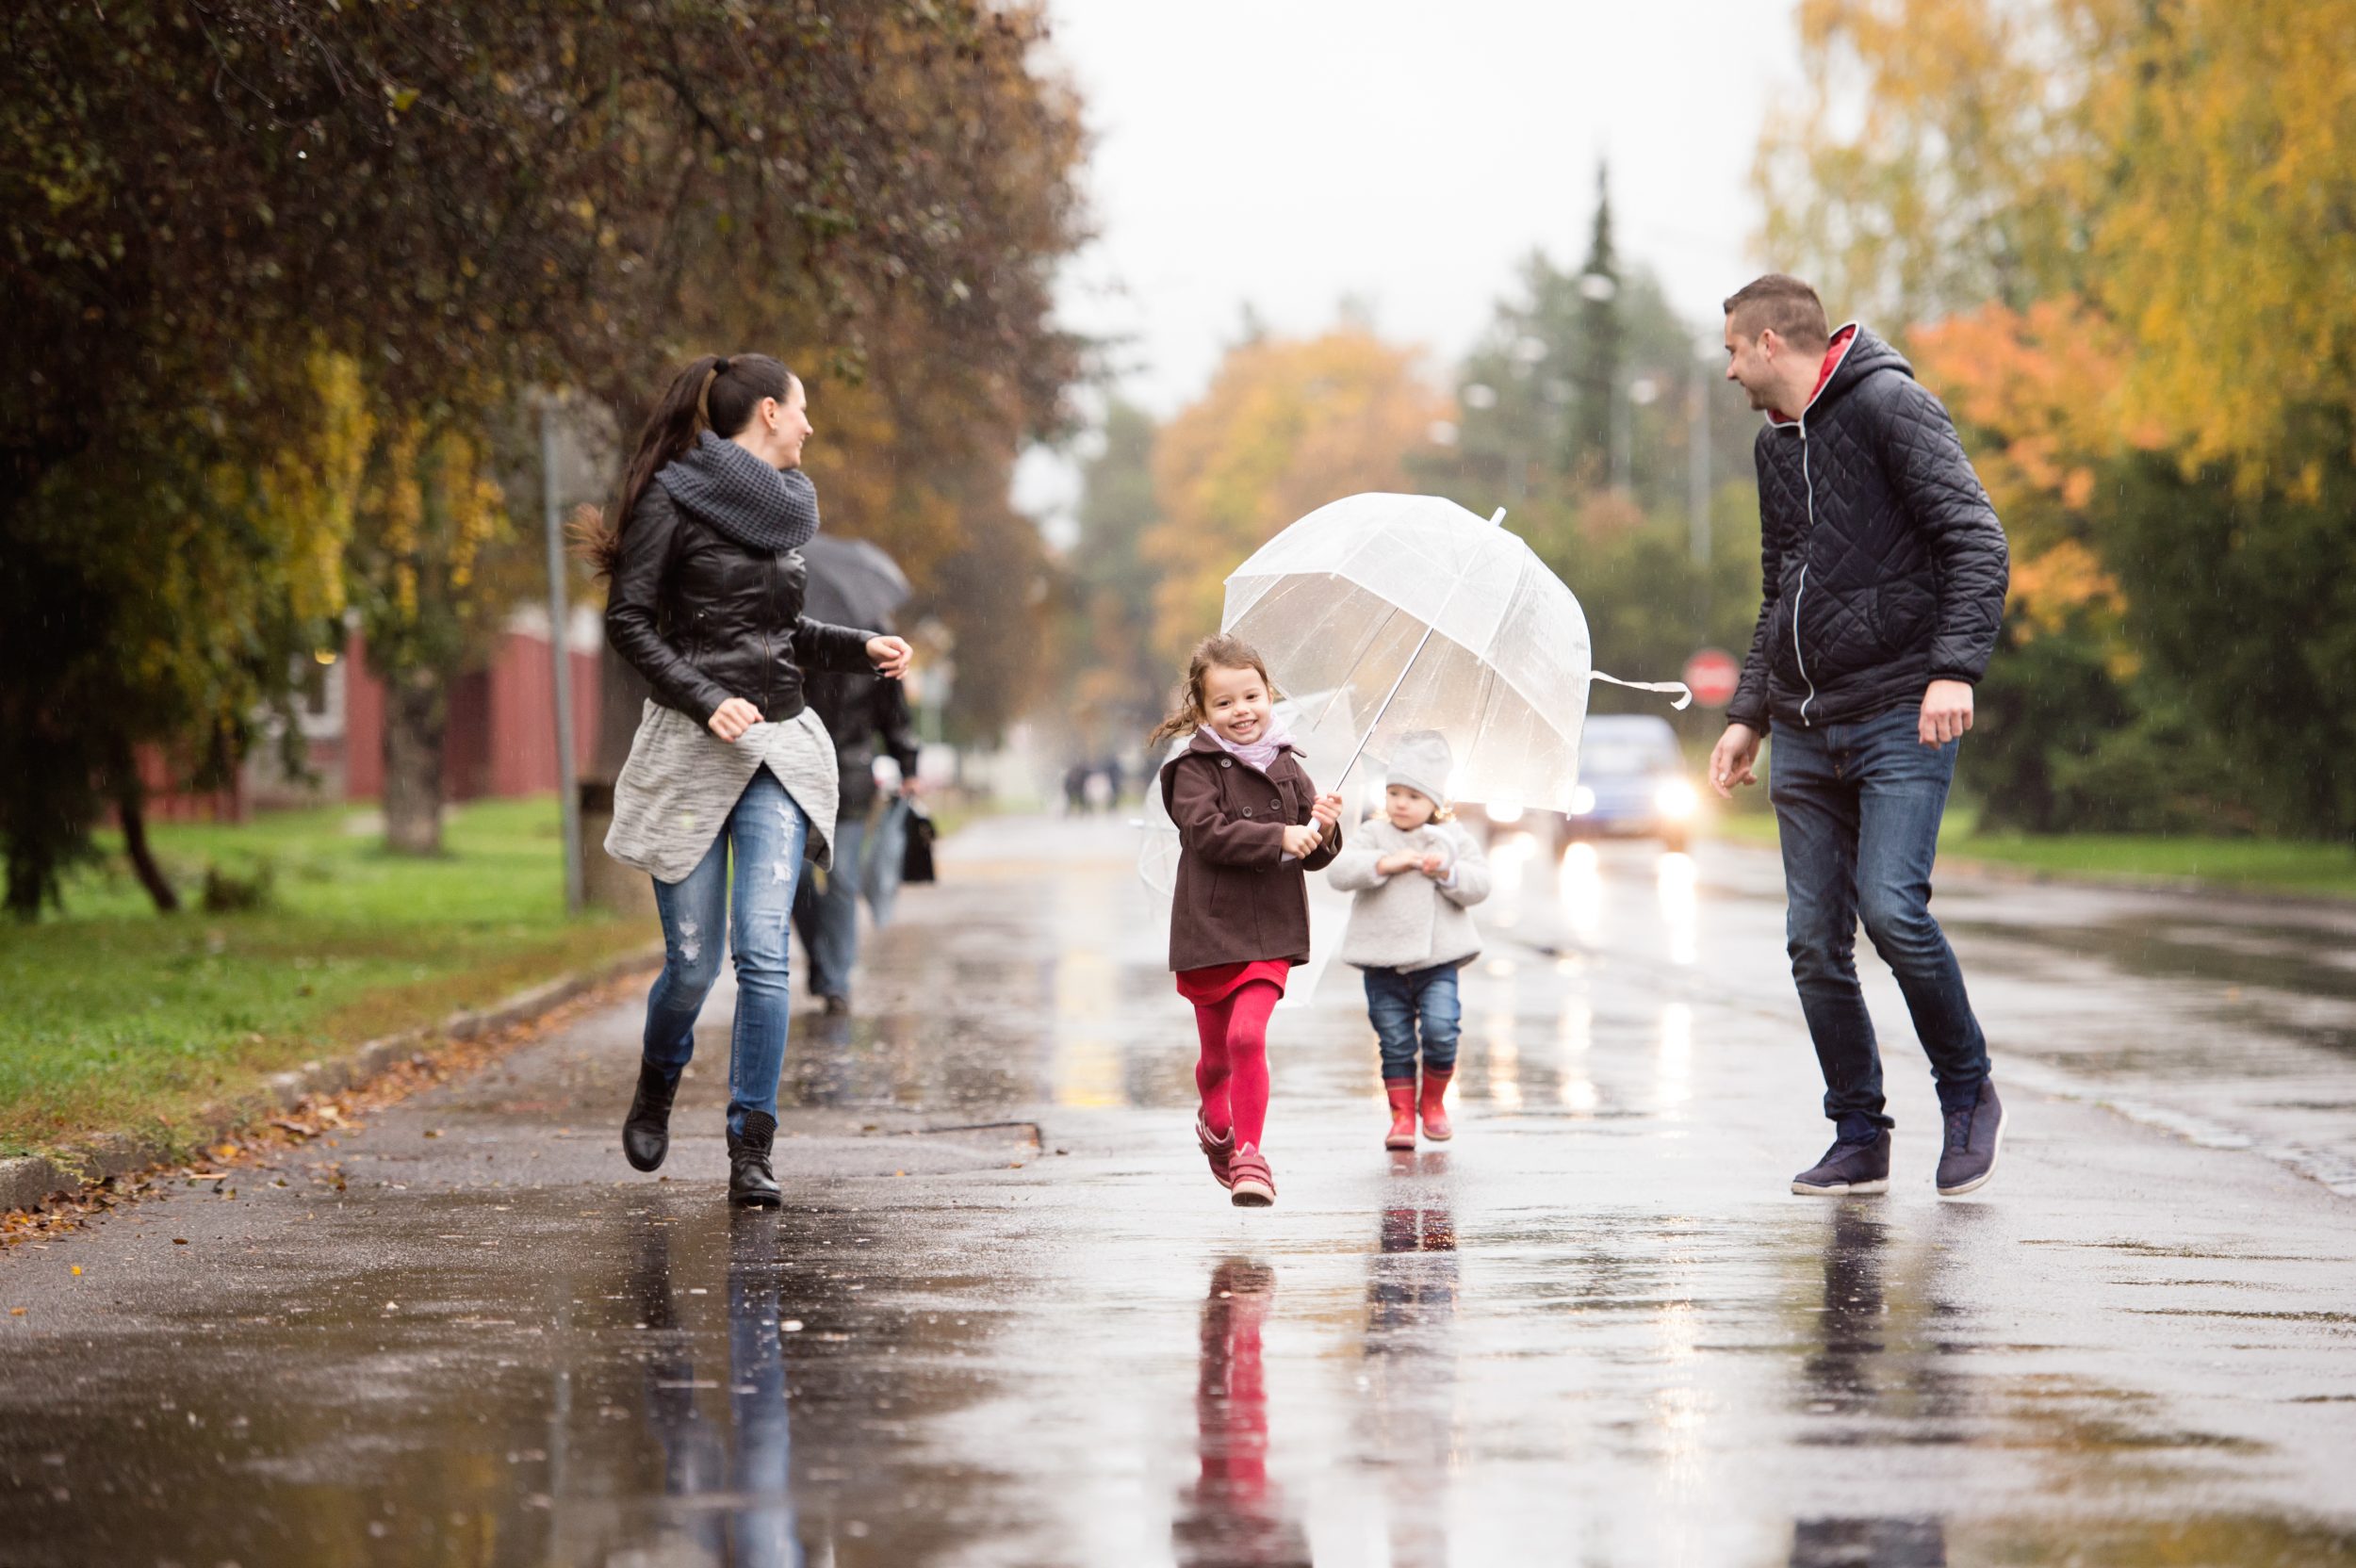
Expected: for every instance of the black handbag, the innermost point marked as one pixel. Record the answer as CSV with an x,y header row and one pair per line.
x,y
916,858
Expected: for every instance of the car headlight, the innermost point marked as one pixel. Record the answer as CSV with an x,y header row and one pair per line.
x,y
1676,799
1505,813
1582,801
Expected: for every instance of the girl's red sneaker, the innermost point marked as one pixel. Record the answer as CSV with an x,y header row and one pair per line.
x,y
1251,1181
1435,1125
1402,1095
1220,1151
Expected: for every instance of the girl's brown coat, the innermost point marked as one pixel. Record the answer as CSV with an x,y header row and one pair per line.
x,y
1237,899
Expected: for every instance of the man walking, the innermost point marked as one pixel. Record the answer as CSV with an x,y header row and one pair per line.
x,y
1883,575
867,717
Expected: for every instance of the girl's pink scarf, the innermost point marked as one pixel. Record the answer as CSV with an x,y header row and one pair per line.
x,y
1260,754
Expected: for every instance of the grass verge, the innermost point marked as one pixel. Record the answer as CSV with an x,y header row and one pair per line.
x,y
2296,867
119,1020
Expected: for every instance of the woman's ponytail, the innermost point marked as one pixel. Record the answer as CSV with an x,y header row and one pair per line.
x,y
669,431
715,392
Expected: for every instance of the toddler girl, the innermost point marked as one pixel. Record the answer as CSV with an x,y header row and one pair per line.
x,y
1249,824
1414,873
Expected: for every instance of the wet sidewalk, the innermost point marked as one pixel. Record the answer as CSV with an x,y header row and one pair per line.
x,y
1005,1317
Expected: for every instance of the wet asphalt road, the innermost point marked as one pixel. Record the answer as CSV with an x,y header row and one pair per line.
x,y
1005,1318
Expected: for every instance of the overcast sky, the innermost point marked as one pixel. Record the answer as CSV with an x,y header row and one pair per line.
x,y
1288,152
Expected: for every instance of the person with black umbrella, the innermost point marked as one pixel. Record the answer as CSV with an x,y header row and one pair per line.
x,y
867,718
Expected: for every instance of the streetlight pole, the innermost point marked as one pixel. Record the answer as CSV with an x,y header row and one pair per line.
x,y
1697,483
560,661
1697,463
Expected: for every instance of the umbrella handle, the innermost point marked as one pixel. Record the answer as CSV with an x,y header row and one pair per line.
x,y
1376,723
1685,692
1496,519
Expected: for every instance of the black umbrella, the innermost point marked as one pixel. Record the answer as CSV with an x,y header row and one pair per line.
x,y
852,583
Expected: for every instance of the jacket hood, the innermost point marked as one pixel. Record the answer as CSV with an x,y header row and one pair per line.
x,y
1865,355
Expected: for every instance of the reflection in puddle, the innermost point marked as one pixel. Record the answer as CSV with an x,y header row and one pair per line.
x,y
1086,1069
1501,1060
1411,1361
720,1508
1883,1350
1579,885
1681,905
1233,1516
1868,1543
1575,1035
1673,1067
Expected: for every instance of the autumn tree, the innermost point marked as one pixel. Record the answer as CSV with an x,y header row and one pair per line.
x,y
2153,196
465,201
1285,426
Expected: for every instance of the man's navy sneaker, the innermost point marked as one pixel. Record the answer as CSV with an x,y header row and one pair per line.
x,y
1974,1136
1848,1169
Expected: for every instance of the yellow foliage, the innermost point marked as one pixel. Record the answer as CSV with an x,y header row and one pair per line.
x,y
2227,248
1286,427
1915,173
434,511
2184,168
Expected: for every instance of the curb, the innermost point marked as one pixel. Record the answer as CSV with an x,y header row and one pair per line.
x,y
28,1180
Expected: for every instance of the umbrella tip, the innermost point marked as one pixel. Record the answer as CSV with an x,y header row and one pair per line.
x,y
1496,518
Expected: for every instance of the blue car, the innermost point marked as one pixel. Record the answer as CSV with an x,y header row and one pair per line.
x,y
1631,785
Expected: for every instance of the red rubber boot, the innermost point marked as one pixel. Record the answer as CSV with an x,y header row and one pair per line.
x,y
1435,1125
1403,1133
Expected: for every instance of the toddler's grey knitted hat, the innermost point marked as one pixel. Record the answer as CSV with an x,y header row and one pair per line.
x,y
1421,760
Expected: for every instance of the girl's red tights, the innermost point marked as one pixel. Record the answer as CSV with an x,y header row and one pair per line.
x,y
1232,1072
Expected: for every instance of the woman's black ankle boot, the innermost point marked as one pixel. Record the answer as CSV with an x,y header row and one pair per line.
x,y
647,1131
751,1183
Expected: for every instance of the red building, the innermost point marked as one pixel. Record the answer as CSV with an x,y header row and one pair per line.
x,y
500,738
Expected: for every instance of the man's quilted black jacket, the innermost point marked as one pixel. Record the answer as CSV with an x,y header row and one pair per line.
x,y
1882,564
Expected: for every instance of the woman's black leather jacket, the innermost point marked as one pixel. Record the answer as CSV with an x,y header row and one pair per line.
x,y
705,619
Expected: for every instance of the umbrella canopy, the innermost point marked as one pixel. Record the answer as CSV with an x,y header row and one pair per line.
x,y
852,583
1411,612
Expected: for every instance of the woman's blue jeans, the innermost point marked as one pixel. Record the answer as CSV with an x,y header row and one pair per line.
x,y
1858,806
745,883
1401,1000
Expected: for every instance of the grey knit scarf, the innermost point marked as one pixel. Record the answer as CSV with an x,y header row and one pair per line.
x,y
740,497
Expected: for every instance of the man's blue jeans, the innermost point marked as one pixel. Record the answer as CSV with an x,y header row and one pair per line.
x,y
1400,1000
828,919
1859,806
745,882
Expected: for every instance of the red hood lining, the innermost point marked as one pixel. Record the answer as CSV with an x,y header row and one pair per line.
x,y
1834,352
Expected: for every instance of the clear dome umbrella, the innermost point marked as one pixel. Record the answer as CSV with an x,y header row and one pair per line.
x,y
1384,613
1418,614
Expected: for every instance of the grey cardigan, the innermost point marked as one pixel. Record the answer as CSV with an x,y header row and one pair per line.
x,y
1409,921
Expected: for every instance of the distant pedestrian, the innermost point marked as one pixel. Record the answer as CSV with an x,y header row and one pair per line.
x,y
1415,875
1884,570
1249,826
867,717
731,778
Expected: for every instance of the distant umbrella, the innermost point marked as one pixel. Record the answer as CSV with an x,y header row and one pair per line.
x,y
852,583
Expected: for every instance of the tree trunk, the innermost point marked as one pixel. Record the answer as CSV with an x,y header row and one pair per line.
x,y
130,796
416,711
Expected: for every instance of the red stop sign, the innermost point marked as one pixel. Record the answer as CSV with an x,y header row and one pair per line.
x,y
1712,673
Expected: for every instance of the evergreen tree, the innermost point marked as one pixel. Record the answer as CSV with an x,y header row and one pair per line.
x,y
1595,373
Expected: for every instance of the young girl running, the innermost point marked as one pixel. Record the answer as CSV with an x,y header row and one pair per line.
x,y
1249,824
1415,873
